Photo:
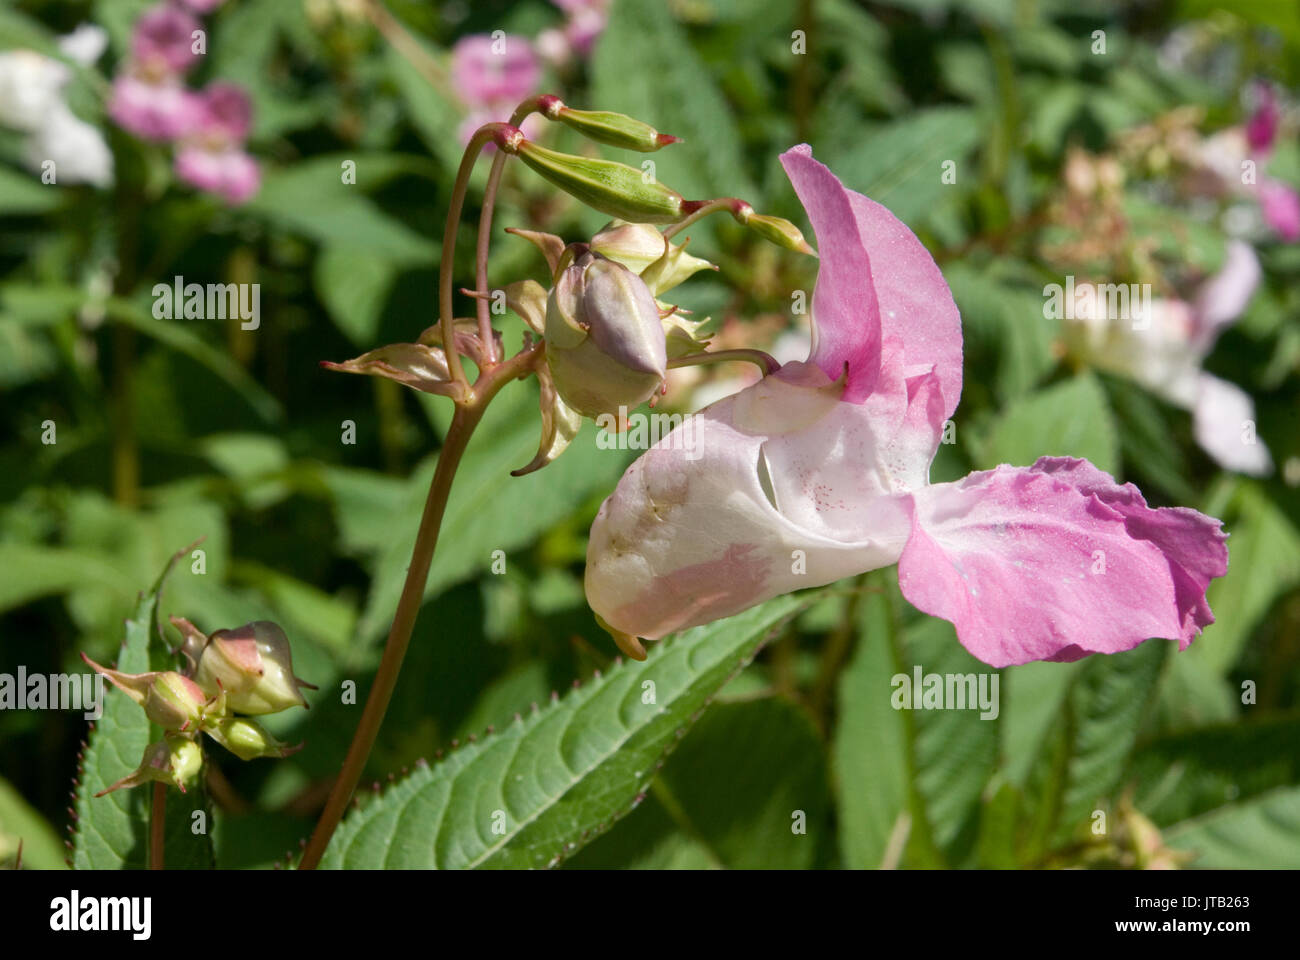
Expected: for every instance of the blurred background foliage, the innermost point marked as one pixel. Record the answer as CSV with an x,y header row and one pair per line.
x,y
168,430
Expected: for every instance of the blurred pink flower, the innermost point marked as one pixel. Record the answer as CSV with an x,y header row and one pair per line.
x,y
163,39
1280,206
585,22
229,172
1261,128
821,471
494,72
157,109
212,157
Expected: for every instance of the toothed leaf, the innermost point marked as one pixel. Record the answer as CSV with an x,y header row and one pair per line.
x,y
533,793
113,830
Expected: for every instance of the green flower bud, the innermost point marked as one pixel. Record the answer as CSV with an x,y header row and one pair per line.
x,y
604,126
612,188
172,760
643,250
171,700
604,337
175,702
247,739
779,231
253,665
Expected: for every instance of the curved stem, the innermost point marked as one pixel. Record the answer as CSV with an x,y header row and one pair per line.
x,y
736,207
157,826
765,361
522,112
466,418
482,135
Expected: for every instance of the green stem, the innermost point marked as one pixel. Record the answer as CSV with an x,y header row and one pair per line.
x,y
765,361
736,207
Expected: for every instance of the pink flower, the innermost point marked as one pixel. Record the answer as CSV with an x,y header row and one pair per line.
x,y
163,39
225,112
213,158
1261,128
1280,206
155,109
492,72
229,172
820,471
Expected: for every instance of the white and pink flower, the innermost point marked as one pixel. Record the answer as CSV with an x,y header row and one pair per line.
x,y
821,471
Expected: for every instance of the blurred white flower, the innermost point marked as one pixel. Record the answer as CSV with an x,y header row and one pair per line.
x,y
77,148
31,100
1164,352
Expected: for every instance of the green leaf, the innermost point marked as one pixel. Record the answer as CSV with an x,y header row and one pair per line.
x,y
112,830
908,774
1263,563
900,164
354,285
1189,773
24,194
1068,419
21,824
531,794
628,76
746,778
312,200
1083,756
1259,834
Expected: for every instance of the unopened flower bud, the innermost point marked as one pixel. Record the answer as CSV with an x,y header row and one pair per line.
x,y
253,665
247,739
612,188
171,700
604,337
604,126
639,246
173,760
779,231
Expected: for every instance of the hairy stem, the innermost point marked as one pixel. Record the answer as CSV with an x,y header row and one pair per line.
x,y
157,826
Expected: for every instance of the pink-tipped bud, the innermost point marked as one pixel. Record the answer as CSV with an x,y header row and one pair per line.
x,y
614,189
171,700
607,127
253,666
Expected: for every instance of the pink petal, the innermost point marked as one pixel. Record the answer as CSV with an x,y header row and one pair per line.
x,y
1056,561
1219,420
1225,296
876,282
486,71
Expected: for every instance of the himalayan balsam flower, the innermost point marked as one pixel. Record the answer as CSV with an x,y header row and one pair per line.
x,y
492,76
163,40
1164,352
820,471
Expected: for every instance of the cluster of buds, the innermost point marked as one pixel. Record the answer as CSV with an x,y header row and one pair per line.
x,y
609,339
230,676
